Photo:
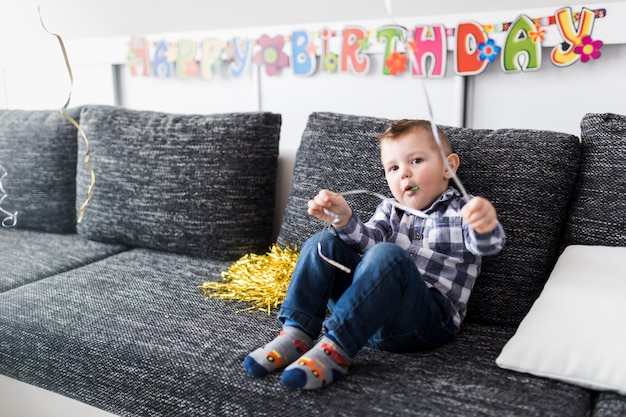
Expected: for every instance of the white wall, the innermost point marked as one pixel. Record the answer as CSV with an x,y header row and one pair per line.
x,y
80,19
551,98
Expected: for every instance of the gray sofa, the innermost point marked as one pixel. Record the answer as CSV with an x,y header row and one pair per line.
x,y
108,312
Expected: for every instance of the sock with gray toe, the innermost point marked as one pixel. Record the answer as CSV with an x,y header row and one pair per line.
x,y
288,346
324,364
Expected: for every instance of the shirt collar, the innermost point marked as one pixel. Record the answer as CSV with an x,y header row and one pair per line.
x,y
443,200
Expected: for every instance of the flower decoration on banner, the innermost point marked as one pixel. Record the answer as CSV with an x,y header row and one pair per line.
x,y
397,63
271,54
311,49
364,44
588,49
130,58
537,35
331,62
171,53
488,50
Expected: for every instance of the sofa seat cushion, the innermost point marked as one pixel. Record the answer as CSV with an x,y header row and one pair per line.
x,y
201,185
38,150
597,214
528,175
129,335
28,255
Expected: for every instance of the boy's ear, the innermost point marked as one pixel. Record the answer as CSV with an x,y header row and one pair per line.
x,y
454,161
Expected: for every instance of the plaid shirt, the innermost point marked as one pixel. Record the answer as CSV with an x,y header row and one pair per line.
x,y
445,250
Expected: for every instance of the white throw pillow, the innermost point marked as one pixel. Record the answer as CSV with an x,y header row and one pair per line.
x,y
576,330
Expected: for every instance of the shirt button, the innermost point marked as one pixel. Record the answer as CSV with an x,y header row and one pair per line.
x,y
417,237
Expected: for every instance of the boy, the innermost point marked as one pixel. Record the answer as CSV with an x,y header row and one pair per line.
x,y
403,281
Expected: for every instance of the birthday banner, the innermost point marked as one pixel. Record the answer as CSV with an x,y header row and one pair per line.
x,y
305,53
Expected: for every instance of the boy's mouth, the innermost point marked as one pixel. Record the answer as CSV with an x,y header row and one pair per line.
x,y
413,188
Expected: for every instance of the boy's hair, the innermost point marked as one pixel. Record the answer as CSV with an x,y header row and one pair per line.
x,y
399,128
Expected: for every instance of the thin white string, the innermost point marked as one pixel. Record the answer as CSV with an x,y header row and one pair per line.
x,y
433,125
335,216
392,201
11,218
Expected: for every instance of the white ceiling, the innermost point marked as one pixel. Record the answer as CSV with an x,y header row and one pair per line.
x,y
19,19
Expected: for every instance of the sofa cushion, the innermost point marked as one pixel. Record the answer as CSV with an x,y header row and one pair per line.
x,y
126,335
30,255
38,150
528,175
609,404
598,216
202,185
571,332
338,152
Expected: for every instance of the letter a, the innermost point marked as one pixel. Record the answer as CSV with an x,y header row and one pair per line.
x,y
520,52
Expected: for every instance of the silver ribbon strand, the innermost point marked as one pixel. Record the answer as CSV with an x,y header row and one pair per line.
x,y
10,219
433,125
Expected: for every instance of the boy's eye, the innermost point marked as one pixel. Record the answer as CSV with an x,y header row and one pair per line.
x,y
416,160
393,168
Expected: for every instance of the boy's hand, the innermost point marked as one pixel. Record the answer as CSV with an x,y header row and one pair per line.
x,y
480,215
332,202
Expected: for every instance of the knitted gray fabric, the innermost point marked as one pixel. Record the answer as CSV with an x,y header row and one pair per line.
x,y
30,255
597,217
527,174
38,151
126,330
129,334
609,404
340,153
202,185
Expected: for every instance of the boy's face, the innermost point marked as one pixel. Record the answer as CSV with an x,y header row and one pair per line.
x,y
414,160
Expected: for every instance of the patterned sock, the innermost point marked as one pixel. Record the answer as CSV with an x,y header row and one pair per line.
x,y
324,364
288,346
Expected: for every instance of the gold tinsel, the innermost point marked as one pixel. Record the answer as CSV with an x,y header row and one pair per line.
x,y
260,280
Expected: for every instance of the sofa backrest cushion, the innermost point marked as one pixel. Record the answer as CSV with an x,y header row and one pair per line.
x,y
38,150
598,213
202,185
528,175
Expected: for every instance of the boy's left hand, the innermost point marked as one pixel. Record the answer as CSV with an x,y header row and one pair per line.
x,y
480,214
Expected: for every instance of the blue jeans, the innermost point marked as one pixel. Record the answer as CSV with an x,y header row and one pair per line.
x,y
384,301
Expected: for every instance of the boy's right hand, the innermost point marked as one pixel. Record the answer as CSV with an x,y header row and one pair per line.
x,y
334,203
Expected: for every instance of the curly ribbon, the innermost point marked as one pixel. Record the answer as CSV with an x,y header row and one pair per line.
x,y
433,125
69,118
260,280
11,218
